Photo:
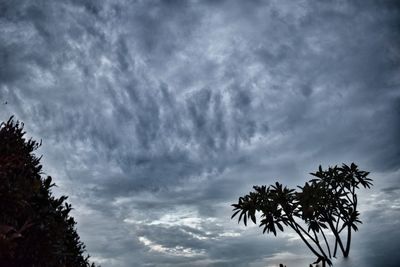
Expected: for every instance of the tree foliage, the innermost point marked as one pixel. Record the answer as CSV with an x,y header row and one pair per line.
x,y
35,227
326,203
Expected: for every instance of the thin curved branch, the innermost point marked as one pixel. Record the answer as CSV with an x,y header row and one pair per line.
x,y
326,243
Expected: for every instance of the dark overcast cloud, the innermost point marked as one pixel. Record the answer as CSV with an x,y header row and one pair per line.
x,y
156,115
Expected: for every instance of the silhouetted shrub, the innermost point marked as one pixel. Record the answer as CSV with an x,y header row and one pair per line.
x,y
35,227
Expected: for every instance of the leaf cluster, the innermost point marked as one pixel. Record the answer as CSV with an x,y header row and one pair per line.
x,y
273,202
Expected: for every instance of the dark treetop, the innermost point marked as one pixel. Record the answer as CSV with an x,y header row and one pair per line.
x,y
35,227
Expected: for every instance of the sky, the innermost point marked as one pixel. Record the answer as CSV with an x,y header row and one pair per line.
x,y
156,116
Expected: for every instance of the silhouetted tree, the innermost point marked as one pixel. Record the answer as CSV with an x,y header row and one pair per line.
x,y
35,227
326,203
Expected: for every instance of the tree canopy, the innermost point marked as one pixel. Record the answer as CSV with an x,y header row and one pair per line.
x,y
326,203
35,227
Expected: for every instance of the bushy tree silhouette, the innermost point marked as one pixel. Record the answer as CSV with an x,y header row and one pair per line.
x,y
327,203
35,227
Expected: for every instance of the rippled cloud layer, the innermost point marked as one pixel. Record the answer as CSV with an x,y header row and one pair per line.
x,y
157,115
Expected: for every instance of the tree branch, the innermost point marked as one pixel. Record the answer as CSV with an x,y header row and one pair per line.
x,y
304,240
326,243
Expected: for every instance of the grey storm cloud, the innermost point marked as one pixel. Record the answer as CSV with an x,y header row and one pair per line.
x,y
155,116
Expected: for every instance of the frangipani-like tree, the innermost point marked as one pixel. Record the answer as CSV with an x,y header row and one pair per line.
x,y
326,203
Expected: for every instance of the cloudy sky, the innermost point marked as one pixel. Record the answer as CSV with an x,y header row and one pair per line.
x,y
155,116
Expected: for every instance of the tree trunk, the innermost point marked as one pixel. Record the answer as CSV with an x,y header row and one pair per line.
x,y
347,251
